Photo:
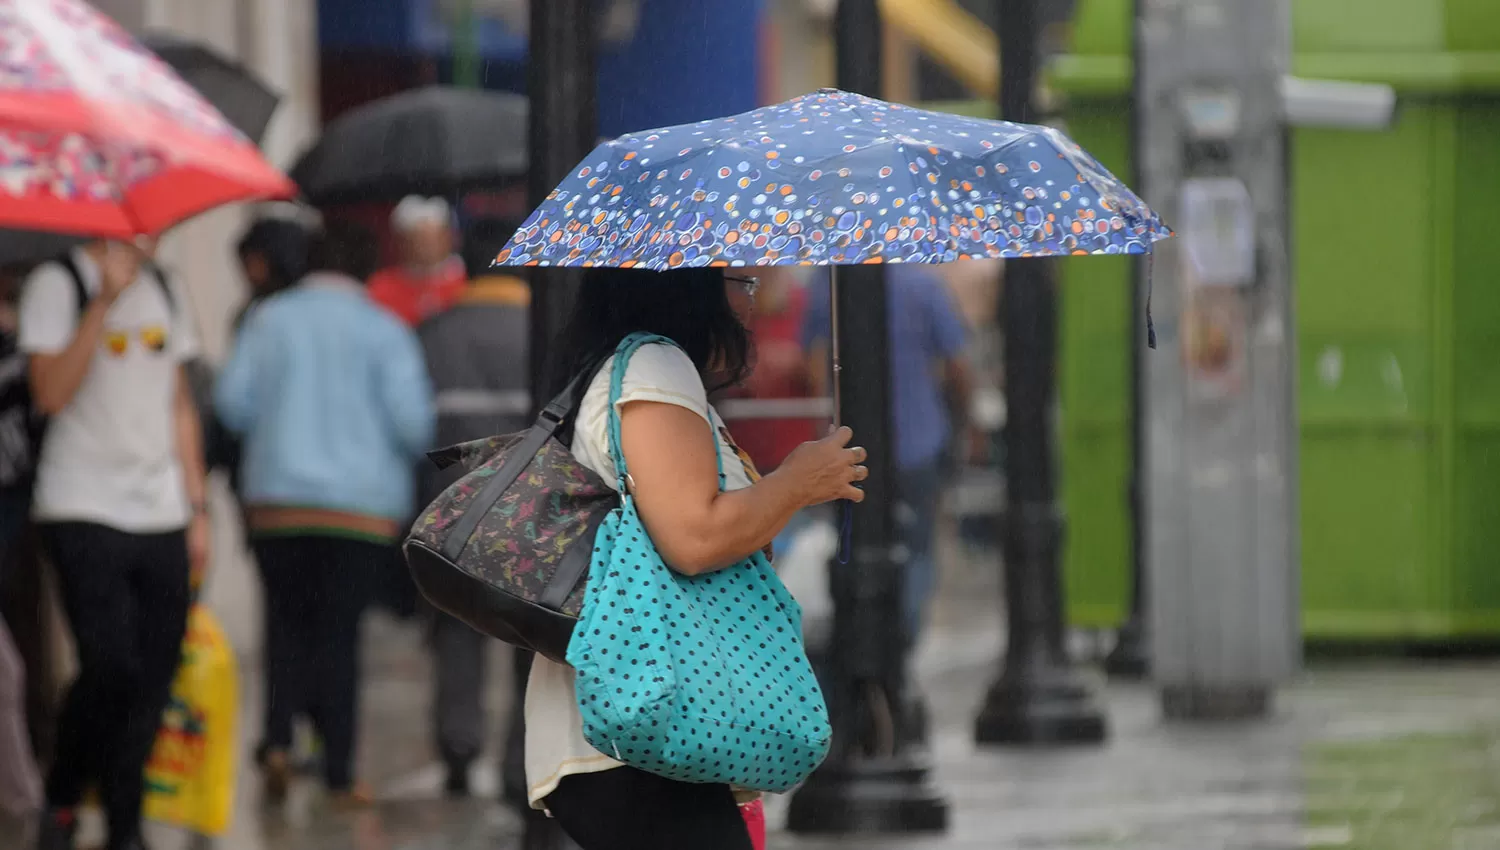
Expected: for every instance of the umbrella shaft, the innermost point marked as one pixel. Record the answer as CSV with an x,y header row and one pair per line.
x,y
833,336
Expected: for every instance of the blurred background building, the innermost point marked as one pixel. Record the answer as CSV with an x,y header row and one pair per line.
x,y
1396,417
1393,325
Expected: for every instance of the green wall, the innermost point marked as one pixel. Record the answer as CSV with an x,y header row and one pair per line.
x,y
1396,253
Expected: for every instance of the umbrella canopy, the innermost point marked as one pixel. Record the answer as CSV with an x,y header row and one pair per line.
x,y
246,101
430,141
834,178
100,137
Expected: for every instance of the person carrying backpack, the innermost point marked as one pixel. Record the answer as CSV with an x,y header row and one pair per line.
x,y
21,795
476,352
120,503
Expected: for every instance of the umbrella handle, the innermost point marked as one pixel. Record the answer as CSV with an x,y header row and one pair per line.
x,y
846,508
846,530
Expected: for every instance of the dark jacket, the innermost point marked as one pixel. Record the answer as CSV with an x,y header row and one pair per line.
x,y
477,353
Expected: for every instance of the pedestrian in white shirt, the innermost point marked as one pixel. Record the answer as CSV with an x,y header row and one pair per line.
x,y
119,500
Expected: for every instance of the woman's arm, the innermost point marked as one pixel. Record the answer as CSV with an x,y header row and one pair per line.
x,y
55,378
189,428
672,456
62,337
189,431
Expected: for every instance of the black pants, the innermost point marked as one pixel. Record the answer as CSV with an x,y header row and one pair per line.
x,y
316,588
629,809
126,597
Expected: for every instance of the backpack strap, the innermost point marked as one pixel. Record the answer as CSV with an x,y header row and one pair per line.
x,y
80,292
159,275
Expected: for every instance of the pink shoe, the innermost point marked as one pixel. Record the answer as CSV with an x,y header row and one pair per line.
x,y
755,821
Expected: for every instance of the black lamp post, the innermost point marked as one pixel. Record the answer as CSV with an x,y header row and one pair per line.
x,y
561,84
872,781
1039,698
1131,656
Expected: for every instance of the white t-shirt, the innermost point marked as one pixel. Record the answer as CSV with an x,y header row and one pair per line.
x,y
555,746
110,457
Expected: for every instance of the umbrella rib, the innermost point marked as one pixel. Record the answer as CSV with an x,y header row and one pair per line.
x,y
938,249
911,178
932,232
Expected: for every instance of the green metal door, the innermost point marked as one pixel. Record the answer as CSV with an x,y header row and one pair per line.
x,y
1397,267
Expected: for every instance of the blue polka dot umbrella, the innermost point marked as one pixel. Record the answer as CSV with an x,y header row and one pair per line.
x,y
833,178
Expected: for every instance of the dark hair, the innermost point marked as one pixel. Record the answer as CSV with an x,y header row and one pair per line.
x,y
482,240
283,245
343,247
688,306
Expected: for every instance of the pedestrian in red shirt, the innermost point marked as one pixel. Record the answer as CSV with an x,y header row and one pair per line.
x,y
780,369
774,319
430,276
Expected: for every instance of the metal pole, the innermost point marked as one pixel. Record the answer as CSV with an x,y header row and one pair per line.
x,y
564,129
561,83
465,41
1221,495
1039,697
1131,657
873,781
838,360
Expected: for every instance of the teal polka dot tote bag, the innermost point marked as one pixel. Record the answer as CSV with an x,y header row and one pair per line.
x,y
695,678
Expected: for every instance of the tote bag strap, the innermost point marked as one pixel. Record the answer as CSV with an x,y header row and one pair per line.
x,y
627,349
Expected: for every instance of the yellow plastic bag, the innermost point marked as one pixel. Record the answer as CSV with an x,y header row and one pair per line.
x,y
190,777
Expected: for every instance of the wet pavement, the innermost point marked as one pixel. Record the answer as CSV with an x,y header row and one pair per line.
x,y
1385,755
1357,757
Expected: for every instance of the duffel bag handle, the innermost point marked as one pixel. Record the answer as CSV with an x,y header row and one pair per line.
x,y
552,417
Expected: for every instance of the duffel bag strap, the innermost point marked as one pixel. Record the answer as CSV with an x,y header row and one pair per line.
x,y
552,417
565,403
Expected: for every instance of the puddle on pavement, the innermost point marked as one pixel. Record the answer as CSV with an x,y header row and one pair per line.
x,y
1418,792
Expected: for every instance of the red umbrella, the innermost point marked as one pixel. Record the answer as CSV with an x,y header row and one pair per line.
x,y
98,136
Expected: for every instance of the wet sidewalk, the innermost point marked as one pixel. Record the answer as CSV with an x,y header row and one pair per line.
x,y
1363,757
1360,756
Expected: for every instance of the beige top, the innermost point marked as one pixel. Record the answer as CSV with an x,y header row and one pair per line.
x,y
555,746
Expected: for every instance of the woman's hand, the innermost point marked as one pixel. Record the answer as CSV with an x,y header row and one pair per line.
x,y
118,267
827,470
697,528
199,549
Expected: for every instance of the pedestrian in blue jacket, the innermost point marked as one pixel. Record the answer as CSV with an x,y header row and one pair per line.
x,y
331,396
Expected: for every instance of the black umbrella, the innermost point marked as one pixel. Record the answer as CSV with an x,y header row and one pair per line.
x,y
247,102
24,247
429,141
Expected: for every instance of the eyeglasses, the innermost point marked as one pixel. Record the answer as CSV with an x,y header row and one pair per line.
x,y
750,284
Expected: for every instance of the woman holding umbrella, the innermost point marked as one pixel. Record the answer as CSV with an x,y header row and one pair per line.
x,y
674,440
830,178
